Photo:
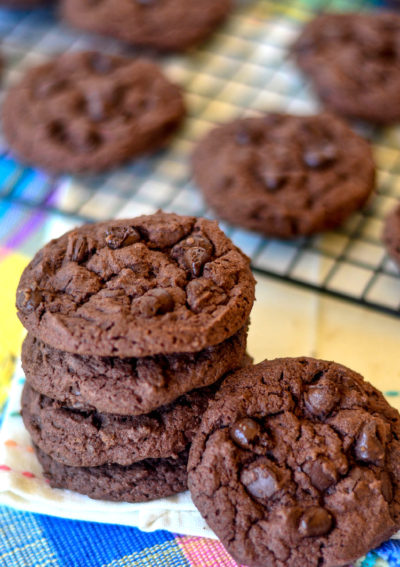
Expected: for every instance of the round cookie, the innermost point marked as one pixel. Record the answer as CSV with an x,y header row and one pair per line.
x,y
164,25
353,61
297,462
391,234
140,482
87,111
284,175
155,284
90,439
126,386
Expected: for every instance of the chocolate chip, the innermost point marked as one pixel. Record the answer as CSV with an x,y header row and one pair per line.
x,y
368,447
320,157
156,302
245,432
321,398
322,473
204,295
192,253
120,236
77,248
260,480
315,522
57,130
28,300
195,258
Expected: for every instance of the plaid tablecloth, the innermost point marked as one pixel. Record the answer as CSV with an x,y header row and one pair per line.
x,y
34,208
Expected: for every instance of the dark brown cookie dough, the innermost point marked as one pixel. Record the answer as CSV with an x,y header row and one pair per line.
x,y
353,61
89,111
297,462
156,284
391,234
126,386
90,439
140,482
284,175
161,24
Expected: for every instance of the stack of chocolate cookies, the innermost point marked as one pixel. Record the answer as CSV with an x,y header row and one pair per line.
x,y
132,324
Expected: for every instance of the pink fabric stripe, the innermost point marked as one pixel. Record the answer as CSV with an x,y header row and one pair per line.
x,y
203,552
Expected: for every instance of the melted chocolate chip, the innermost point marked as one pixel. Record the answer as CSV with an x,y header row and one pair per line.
x,y
28,300
320,157
368,447
315,522
117,236
322,473
77,249
156,302
57,130
245,432
260,480
387,486
321,398
192,253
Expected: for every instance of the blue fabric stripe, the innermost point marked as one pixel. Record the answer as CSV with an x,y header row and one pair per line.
x,y
90,544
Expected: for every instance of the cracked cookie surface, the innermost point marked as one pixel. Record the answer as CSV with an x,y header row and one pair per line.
x,y
160,24
297,462
89,111
353,61
156,284
284,175
126,386
140,482
90,439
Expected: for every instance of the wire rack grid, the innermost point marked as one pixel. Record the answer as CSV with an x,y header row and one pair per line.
x,y
244,69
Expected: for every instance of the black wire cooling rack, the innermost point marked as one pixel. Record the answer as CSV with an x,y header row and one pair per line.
x,y
243,69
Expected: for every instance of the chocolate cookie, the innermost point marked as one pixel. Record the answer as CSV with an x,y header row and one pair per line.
x,y
391,234
297,462
284,175
90,439
155,284
126,386
353,61
146,480
89,111
160,24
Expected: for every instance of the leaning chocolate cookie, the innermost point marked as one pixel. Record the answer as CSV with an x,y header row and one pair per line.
x,y
164,25
297,462
90,439
126,386
284,175
140,482
156,284
89,111
391,234
353,61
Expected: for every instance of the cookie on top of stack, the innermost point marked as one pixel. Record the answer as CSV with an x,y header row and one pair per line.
x,y
131,323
